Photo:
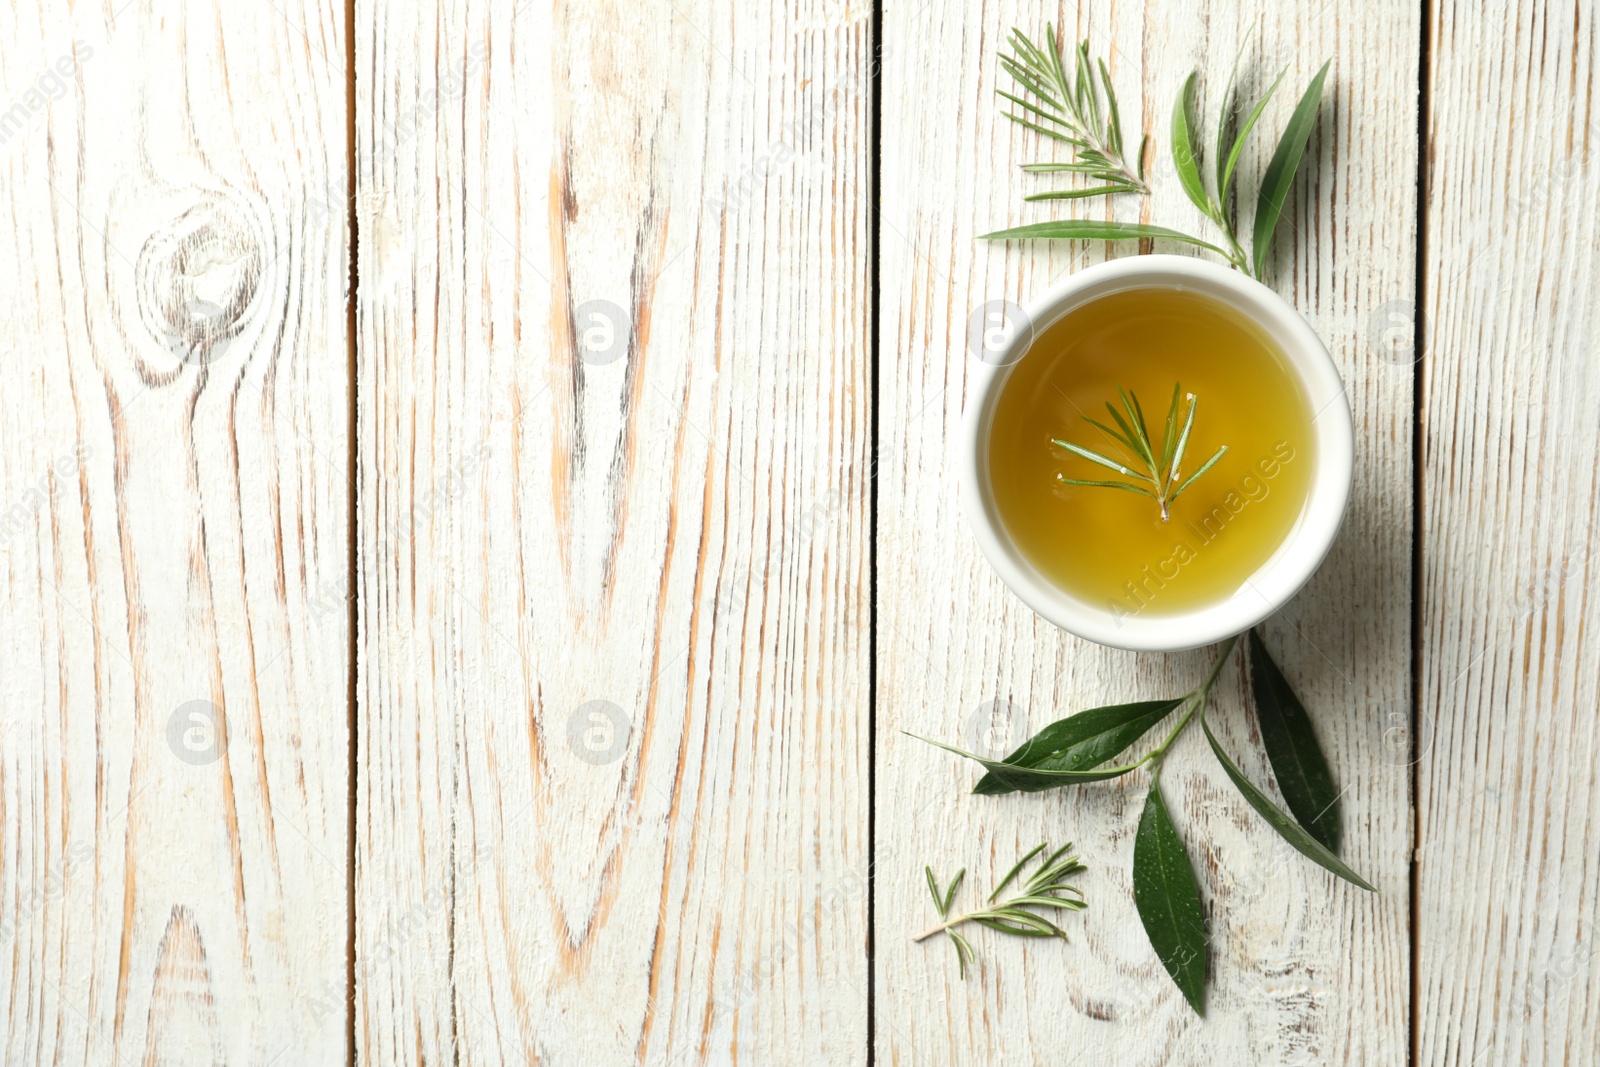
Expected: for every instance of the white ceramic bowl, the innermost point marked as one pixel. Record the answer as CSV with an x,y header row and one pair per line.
x,y
1284,572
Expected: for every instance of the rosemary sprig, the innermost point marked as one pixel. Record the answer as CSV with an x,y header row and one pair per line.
x,y
1161,472
1046,888
1081,111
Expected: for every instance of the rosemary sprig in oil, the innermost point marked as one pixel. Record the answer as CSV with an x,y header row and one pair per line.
x,y
1159,478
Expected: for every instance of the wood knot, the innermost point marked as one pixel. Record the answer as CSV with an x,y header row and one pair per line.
x,y
196,277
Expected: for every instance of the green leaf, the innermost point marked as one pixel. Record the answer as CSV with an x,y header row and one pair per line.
x,y
1014,871
1225,112
1185,154
1078,194
1088,104
1031,72
1280,171
1113,434
1020,121
1207,465
964,951
1036,109
1128,434
1091,456
1291,744
1094,230
1141,490
1017,921
950,895
1168,901
1279,819
1115,127
1225,169
1058,72
1080,742
1027,779
1169,437
1068,168
1141,432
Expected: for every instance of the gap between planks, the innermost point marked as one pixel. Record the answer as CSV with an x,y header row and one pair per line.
x,y
352,464
1418,408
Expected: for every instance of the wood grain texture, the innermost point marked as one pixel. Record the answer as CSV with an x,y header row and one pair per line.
x,y
173,433
612,551
612,786
1304,969
1508,961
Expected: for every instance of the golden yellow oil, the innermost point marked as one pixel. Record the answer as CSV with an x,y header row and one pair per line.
x,y
1111,548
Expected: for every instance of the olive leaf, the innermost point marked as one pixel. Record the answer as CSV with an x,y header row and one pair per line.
x,y
1009,778
1225,112
1279,819
1280,171
1077,743
1292,749
1225,167
1168,901
1185,154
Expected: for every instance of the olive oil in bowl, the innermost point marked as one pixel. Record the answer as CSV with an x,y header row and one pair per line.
x,y
1113,549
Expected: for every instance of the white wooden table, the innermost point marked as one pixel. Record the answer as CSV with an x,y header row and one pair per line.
x,y
474,622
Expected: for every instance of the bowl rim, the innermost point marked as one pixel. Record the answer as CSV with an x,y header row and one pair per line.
x,y
1284,572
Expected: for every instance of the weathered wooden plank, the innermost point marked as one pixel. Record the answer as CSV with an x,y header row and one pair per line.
x,y
612,787
1305,969
173,437
1508,790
